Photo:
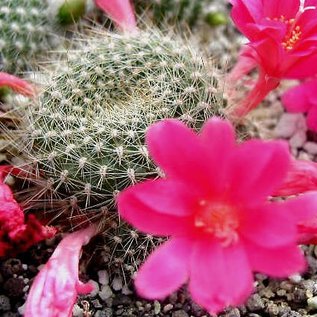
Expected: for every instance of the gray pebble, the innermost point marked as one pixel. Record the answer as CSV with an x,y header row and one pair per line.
x,y
105,292
4,303
167,308
157,307
77,311
103,277
180,313
312,302
107,312
117,283
255,303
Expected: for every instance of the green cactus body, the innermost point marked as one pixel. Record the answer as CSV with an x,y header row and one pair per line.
x,y
27,29
86,134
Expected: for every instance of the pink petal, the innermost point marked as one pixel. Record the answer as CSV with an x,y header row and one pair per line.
x,y
301,177
296,98
220,276
120,11
276,262
258,169
165,270
275,9
54,290
151,208
218,137
16,84
301,208
178,151
269,226
303,67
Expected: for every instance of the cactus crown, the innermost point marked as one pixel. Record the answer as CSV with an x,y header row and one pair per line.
x,y
86,132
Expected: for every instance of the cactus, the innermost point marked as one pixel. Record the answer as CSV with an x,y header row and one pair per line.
x,y
27,29
85,134
190,12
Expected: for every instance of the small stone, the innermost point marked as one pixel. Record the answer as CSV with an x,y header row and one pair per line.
x,y
105,292
233,313
96,303
107,312
310,147
95,290
287,126
296,278
180,313
312,302
103,277
126,290
298,139
167,308
255,303
157,307
77,311
117,284
4,303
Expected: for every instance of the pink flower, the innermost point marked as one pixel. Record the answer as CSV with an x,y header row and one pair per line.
x,y
214,205
17,234
283,43
54,290
301,178
303,98
18,85
120,11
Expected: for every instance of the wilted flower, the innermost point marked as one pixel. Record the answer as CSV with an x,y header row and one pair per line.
x,y
17,233
16,84
120,11
283,44
303,98
55,289
214,204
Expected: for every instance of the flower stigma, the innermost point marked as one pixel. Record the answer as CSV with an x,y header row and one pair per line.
x,y
219,220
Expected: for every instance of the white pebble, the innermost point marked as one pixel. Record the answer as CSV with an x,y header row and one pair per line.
x,y
105,292
288,124
296,278
311,147
117,284
312,302
126,290
77,311
103,277
298,139
96,288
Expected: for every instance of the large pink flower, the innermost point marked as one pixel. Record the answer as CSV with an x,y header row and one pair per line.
x,y
16,84
214,205
283,43
120,11
303,98
55,289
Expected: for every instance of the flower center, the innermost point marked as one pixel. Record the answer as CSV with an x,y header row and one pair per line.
x,y
293,33
220,220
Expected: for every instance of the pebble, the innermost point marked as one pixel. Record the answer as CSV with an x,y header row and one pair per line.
x,y
255,303
298,139
312,302
105,292
95,290
4,303
157,307
296,278
167,308
103,277
180,313
77,311
117,283
288,124
233,313
310,147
